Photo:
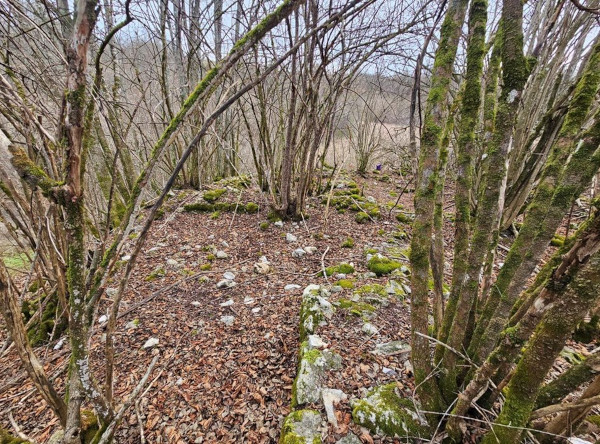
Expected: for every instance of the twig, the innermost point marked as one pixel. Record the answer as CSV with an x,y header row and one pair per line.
x,y
462,355
566,406
141,424
323,264
18,430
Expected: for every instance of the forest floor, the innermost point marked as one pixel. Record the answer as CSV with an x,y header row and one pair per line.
x,y
228,356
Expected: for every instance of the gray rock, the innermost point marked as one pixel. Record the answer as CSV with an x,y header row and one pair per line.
x,y
310,250
278,224
196,304
350,438
226,283
311,374
331,396
371,199
227,320
340,276
220,254
336,289
262,268
392,348
264,260
302,426
369,329
289,237
151,342
394,288
248,300
229,275
172,262
315,341
298,253
255,309
228,303
370,275
290,287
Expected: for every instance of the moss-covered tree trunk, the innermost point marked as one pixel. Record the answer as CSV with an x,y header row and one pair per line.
x,y
555,327
558,188
457,311
427,183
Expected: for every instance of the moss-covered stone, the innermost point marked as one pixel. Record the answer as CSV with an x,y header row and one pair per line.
x,y
381,265
205,267
301,427
348,243
357,308
212,196
361,217
200,207
264,225
403,218
251,208
342,268
384,412
312,365
346,284
314,309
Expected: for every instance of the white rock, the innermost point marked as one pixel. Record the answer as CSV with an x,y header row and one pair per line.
x,y
310,250
226,283
248,300
339,276
102,319
179,381
278,224
221,254
196,304
336,289
59,344
315,341
228,303
331,396
298,253
225,244
289,237
371,199
151,342
172,262
263,259
229,275
290,287
255,309
369,329
153,249
111,292
126,257
262,268
227,320
389,371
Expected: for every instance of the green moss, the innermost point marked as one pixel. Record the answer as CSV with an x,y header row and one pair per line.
x,y
383,412
594,419
205,267
361,217
403,218
200,207
357,308
393,194
7,438
45,326
381,265
210,257
156,274
371,251
251,208
215,215
16,261
557,241
346,284
212,196
400,235
264,225
239,182
342,268
348,243
372,289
